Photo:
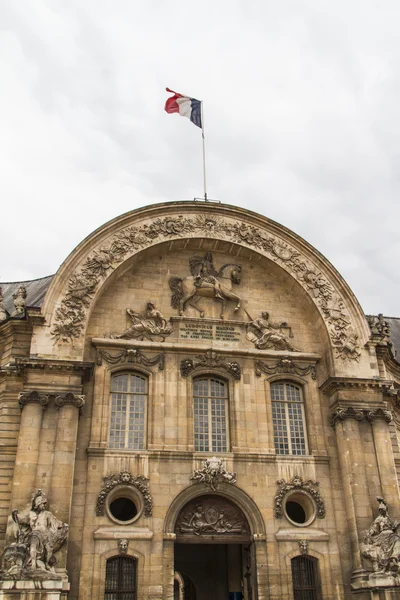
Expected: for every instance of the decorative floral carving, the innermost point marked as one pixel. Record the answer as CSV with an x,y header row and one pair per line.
x,y
131,355
285,365
139,482
20,300
265,334
303,545
26,397
210,360
70,398
213,473
381,543
209,516
297,483
123,546
71,315
40,534
148,324
349,412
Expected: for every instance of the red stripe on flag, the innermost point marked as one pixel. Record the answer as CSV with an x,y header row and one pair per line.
x,y
171,106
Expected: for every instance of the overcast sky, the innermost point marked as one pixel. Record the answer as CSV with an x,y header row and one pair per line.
x,y
301,105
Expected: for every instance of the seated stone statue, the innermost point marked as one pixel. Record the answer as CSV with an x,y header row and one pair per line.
x,y
145,325
382,543
40,534
265,334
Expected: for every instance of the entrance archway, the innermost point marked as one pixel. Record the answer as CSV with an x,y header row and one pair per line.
x,y
218,544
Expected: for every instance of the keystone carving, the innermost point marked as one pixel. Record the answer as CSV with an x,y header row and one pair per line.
x,y
342,413
20,300
210,360
38,537
70,398
123,546
297,483
266,334
131,355
213,473
125,478
212,515
25,398
381,544
71,315
285,365
146,325
303,546
205,282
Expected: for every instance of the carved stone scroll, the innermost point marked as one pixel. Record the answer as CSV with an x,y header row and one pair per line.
x,y
297,483
211,515
71,315
213,473
210,360
25,397
70,398
132,356
349,412
39,535
285,365
125,478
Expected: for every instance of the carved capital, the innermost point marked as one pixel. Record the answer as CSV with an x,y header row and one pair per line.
x,y
131,356
379,413
125,478
285,365
297,483
210,360
70,398
25,398
340,414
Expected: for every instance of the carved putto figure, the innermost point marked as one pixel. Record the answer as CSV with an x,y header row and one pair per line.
x,y
213,473
148,324
382,542
205,282
3,312
20,300
40,534
265,334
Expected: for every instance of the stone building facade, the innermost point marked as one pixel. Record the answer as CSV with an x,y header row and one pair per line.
x,y
199,396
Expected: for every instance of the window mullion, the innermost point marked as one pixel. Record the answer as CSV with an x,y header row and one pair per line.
x,y
127,415
288,429
210,425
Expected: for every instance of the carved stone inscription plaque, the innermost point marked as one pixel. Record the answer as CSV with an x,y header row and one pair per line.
x,y
209,331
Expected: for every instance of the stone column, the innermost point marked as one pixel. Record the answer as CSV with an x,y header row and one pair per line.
x,y
32,405
69,406
355,486
380,420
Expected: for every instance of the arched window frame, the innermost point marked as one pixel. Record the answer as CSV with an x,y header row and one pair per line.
x,y
310,570
146,376
301,384
205,374
119,592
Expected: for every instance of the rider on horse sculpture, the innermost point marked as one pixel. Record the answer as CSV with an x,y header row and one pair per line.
x,y
203,271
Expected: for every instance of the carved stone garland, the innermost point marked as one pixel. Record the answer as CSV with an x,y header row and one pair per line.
x,y
139,482
131,355
297,483
284,365
82,285
210,360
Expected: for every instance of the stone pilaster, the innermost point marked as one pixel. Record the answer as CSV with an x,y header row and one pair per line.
x,y
380,420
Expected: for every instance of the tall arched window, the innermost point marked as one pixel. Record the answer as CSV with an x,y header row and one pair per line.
x,y
306,580
210,396
288,418
128,411
121,578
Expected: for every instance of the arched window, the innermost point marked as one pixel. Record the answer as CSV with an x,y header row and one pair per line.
x,y
306,580
121,578
210,397
128,411
288,418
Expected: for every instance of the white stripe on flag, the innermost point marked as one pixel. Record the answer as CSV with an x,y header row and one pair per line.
x,y
185,107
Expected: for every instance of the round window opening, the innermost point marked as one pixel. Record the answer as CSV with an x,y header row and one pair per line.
x,y
299,509
123,509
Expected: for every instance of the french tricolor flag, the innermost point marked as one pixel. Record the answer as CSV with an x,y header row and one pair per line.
x,y
185,106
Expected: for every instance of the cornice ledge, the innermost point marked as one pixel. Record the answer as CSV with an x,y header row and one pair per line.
x,y
114,532
21,364
301,533
333,384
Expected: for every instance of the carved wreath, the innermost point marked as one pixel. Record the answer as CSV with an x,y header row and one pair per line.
x,y
82,284
139,482
297,483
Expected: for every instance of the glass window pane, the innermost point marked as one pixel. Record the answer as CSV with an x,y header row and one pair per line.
x,y
128,412
210,415
288,419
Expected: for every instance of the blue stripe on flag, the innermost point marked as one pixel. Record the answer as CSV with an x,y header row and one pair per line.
x,y
195,117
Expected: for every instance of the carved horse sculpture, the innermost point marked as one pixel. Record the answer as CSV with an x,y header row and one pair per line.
x,y
186,292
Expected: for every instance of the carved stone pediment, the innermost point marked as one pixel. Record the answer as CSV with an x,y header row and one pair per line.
x,y
211,360
211,515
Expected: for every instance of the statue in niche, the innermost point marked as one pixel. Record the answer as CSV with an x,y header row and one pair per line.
x,y
266,334
148,324
40,534
205,282
382,543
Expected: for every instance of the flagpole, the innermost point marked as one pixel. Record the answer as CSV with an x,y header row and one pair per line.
x,y
203,137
